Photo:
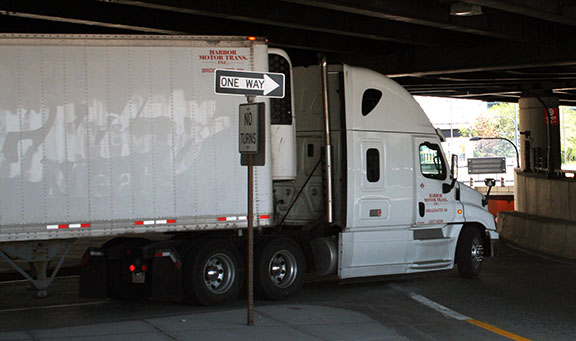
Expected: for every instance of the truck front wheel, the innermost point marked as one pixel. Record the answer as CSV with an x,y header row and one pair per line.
x,y
212,273
280,268
469,252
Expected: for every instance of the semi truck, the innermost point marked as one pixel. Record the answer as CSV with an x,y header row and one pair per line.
x,y
125,138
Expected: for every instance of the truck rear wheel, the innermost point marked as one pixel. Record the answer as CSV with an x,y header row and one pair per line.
x,y
279,270
469,252
212,273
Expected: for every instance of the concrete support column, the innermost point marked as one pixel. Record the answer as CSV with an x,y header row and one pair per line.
x,y
534,128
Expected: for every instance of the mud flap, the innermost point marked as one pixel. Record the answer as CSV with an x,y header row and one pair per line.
x,y
92,282
167,276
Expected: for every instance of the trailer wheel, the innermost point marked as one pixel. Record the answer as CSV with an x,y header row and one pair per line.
x,y
213,273
279,269
469,252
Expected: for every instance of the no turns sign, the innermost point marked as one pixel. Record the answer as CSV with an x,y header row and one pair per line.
x,y
248,132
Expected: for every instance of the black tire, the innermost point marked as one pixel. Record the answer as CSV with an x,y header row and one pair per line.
x,y
279,269
213,273
469,252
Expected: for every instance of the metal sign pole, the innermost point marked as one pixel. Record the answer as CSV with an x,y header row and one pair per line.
x,y
250,240
251,138
250,285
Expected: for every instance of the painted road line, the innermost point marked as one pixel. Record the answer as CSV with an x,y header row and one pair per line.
x,y
26,281
52,306
497,330
438,307
457,316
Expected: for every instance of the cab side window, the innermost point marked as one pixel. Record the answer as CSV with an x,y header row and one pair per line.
x,y
370,100
372,165
432,163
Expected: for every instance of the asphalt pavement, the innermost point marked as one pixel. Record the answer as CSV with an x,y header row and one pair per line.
x,y
275,322
518,296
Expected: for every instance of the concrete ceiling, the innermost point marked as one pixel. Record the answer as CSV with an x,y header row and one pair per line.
x,y
514,47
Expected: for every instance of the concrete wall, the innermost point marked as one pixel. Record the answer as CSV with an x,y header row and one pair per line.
x,y
553,237
552,198
545,216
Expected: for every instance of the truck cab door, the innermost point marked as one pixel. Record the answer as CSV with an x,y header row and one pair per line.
x,y
431,171
431,241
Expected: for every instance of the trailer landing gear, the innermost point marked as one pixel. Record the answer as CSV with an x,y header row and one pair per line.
x,y
38,254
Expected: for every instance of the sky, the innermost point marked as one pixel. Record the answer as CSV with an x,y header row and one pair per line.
x,y
444,112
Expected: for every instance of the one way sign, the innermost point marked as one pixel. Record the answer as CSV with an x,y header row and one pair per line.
x,y
249,83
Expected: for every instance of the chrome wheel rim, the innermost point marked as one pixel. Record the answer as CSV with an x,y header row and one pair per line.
x,y
283,269
477,253
219,273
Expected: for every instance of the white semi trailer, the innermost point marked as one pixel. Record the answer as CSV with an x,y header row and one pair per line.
x,y
124,137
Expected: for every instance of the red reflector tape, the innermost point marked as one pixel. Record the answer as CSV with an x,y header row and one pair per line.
x,y
231,218
66,226
155,222
166,221
263,217
77,226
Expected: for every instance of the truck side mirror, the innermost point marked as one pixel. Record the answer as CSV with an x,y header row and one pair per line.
x,y
454,166
489,183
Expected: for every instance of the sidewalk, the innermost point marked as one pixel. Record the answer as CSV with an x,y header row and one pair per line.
x,y
274,322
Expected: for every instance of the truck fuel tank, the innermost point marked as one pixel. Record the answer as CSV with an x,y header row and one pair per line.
x,y
325,252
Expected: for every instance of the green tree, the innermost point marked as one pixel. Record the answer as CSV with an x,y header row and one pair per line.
x,y
568,135
498,121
